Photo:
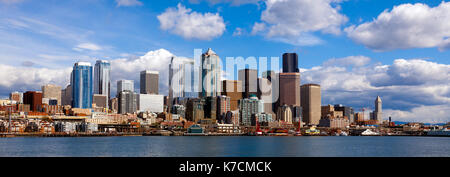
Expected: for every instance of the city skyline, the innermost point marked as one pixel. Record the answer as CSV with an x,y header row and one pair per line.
x,y
353,78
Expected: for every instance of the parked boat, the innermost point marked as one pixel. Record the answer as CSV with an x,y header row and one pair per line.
x,y
369,132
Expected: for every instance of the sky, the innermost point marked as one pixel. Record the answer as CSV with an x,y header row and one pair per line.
x,y
355,49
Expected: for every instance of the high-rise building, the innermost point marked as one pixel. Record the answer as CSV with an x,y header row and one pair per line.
x,y
149,82
127,102
290,89
125,85
150,103
249,79
17,97
66,96
52,92
82,85
268,91
311,103
223,107
232,89
211,74
249,107
34,99
377,114
102,81
290,63
181,80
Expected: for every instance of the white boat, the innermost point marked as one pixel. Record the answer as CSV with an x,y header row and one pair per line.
x,y
369,132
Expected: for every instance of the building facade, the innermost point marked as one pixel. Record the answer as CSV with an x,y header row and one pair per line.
x,y
17,97
290,89
149,82
249,107
233,90
34,99
127,102
125,85
52,92
150,103
311,103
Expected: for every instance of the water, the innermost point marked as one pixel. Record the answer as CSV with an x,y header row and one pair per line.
x,y
178,146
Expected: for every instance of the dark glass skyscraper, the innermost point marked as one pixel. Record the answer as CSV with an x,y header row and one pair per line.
x,y
290,63
82,85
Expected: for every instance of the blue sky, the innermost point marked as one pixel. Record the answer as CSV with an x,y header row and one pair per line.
x,y
48,36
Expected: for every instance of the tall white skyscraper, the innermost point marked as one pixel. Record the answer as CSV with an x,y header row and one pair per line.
x,y
211,74
102,81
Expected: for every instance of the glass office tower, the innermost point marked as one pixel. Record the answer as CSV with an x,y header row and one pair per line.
x,y
82,87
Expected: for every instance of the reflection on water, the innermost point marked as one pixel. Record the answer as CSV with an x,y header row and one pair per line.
x,y
226,147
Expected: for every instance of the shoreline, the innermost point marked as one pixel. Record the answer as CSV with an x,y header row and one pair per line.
x,y
43,135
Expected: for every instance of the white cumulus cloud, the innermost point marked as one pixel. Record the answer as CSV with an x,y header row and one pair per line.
x,y
406,26
189,24
294,21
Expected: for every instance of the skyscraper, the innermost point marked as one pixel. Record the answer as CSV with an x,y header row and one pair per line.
x,y
124,85
211,74
127,102
181,80
52,92
290,63
377,114
249,79
66,96
290,89
268,90
102,81
149,82
223,107
82,85
311,103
